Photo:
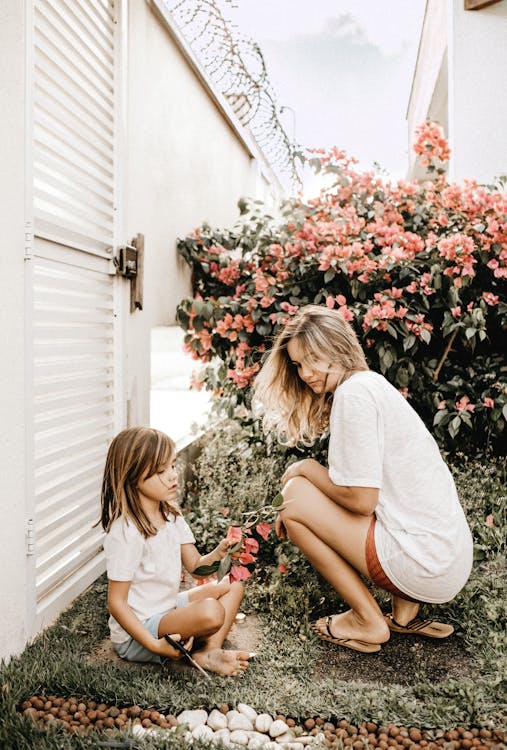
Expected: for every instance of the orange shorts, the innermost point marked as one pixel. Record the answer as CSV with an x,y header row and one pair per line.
x,y
377,575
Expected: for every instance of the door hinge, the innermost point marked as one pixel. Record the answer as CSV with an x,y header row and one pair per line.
x,y
30,537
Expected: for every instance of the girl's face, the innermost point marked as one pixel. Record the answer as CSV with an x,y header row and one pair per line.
x,y
319,374
162,486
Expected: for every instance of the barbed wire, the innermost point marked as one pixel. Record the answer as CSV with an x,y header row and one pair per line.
x,y
236,66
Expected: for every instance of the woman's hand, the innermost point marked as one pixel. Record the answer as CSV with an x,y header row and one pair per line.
x,y
298,469
280,529
163,648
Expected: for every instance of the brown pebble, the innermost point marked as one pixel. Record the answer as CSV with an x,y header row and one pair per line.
x,y
91,705
114,711
329,726
290,723
81,706
146,723
383,736
223,708
92,715
352,730
309,724
25,705
415,735
172,720
109,722
343,724
132,711
54,711
371,727
348,741
145,714
484,733
99,723
119,722
358,745
102,707
362,732
394,731
315,731
382,744
319,721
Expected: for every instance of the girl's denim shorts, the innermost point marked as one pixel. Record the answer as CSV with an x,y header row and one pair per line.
x,y
131,650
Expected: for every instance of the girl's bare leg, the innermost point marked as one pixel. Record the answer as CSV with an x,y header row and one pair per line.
x,y
333,540
210,619
214,590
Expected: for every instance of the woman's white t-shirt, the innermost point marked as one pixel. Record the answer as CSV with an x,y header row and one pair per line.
x,y
377,440
153,565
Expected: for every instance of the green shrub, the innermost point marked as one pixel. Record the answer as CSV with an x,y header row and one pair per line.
x,y
418,269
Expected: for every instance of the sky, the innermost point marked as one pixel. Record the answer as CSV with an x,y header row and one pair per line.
x,y
345,69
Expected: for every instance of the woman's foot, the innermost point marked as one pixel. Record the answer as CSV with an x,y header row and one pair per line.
x,y
348,625
228,663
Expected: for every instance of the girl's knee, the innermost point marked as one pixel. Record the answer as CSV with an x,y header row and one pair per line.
x,y
295,494
211,614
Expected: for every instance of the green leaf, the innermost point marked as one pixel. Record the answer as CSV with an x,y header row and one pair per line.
x,y
392,330
504,410
454,426
426,335
470,333
408,342
329,275
278,500
224,566
439,416
205,571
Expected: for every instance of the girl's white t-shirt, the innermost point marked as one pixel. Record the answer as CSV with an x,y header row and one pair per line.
x,y
377,440
153,566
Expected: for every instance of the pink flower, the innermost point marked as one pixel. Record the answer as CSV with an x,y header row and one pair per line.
x,y
456,311
490,298
464,404
251,545
441,405
488,402
263,530
239,573
490,521
283,568
234,534
246,558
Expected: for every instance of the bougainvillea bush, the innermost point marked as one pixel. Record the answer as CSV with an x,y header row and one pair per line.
x,y
417,267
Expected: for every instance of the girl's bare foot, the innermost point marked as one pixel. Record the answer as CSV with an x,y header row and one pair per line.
x,y
349,625
219,661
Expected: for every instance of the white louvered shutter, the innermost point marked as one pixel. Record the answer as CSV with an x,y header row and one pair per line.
x,y
73,290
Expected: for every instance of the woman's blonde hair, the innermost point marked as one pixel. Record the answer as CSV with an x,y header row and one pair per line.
x,y
289,407
134,454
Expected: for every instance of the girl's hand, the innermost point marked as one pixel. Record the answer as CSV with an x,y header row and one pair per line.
x,y
165,649
297,469
224,547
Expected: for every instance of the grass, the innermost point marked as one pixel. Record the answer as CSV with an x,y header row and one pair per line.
x,y
282,679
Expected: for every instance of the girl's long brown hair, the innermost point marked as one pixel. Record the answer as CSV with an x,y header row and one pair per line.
x,y
135,453
288,406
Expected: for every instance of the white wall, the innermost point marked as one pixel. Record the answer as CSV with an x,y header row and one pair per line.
x,y
477,91
431,60
13,511
185,165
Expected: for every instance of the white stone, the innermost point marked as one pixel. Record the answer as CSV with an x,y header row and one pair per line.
x,y
239,737
202,732
217,720
271,746
307,739
247,711
232,713
285,737
223,735
263,723
257,740
193,718
277,728
240,722
138,730
293,746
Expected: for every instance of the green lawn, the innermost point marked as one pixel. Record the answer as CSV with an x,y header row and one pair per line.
x,y
294,674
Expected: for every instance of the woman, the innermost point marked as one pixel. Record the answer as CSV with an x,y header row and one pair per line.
x,y
386,507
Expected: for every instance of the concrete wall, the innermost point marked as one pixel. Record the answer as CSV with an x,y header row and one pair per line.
x,y
477,91
431,59
13,511
460,80
185,165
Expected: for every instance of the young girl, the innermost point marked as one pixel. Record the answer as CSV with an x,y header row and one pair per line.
x,y
146,542
386,508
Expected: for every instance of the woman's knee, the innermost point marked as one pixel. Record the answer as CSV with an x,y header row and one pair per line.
x,y
295,495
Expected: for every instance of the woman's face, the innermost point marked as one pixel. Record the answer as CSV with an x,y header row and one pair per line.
x,y
319,374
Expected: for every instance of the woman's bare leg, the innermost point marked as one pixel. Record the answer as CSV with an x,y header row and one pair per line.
x,y
334,540
403,610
